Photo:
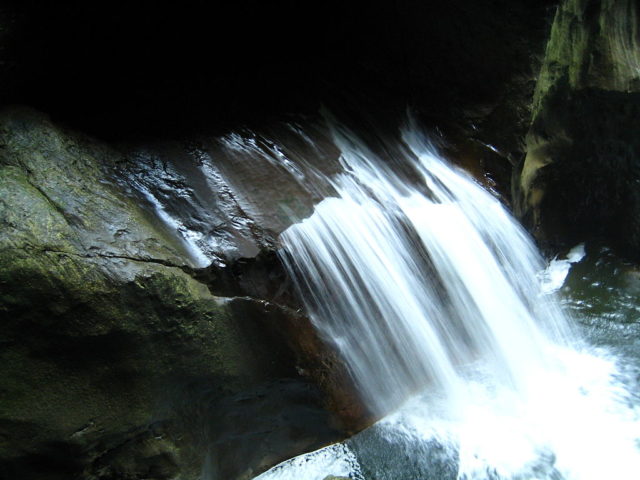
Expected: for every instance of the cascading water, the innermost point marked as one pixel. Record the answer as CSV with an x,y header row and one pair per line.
x,y
429,285
410,285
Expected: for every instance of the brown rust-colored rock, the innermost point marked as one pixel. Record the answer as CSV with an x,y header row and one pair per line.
x,y
314,359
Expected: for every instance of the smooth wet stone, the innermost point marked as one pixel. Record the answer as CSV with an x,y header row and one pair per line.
x,y
104,319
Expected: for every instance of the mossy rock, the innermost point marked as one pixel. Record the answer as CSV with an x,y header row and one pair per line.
x,y
579,179
103,324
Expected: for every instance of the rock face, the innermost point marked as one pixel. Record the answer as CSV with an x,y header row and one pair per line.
x,y
581,173
108,329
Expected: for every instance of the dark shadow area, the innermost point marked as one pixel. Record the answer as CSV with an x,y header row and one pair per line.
x,y
592,185
54,460
135,69
246,433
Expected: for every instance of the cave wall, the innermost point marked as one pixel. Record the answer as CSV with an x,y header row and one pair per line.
x,y
131,69
579,180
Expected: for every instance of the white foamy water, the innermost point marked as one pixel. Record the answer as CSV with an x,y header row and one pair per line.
x,y
337,460
431,286
556,272
575,423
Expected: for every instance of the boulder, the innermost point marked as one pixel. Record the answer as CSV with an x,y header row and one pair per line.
x,y
108,332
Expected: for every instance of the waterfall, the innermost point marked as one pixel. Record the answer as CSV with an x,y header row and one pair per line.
x,y
410,283
431,294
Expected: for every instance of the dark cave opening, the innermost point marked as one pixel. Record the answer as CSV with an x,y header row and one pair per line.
x,y
133,69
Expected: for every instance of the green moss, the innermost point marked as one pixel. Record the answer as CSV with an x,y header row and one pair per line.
x,y
82,349
98,329
57,191
591,45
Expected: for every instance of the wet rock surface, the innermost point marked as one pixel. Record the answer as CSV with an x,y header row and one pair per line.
x,y
105,315
229,197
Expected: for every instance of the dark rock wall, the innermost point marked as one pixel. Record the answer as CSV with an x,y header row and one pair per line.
x,y
117,69
580,178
